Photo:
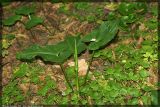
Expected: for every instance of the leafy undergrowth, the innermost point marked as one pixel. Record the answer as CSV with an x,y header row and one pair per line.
x,y
126,76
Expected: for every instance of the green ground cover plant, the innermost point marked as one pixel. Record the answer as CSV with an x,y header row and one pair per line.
x,y
6,43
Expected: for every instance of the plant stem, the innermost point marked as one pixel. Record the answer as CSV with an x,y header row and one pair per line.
x,y
76,68
32,35
65,76
47,28
90,62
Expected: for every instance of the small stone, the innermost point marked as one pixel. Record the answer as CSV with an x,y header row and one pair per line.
x,y
82,67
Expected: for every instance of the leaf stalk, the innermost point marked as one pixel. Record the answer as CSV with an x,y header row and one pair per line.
x,y
90,62
65,76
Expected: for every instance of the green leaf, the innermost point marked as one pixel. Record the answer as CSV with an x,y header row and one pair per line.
x,y
154,97
25,10
93,85
43,91
50,84
54,53
111,16
21,72
11,20
5,2
126,8
8,36
141,7
35,80
12,93
101,36
70,72
95,95
133,101
147,88
129,19
134,92
123,91
81,5
145,100
33,22
154,10
70,42
5,44
114,93
49,100
55,1
144,73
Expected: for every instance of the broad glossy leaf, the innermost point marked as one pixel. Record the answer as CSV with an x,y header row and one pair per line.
x,y
103,35
70,41
54,53
11,20
25,10
33,22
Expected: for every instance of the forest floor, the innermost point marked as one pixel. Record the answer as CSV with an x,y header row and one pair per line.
x,y
124,72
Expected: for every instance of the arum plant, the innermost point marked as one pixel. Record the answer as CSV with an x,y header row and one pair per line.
x,y
54,53
25,11
60,52
19,12
33,20
100,37
28,11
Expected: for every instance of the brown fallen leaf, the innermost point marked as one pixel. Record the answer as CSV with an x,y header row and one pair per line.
x,y
139,42
61,86
24,87
140,102
42,77
89,100
142,27
5,81
127,41
34,88
153,78
114,55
